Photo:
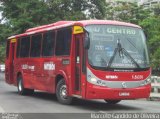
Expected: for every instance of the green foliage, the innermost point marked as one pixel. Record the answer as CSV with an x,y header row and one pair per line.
x,y
4,33
2,53
76,9
20,15
24,14
127,12
151,27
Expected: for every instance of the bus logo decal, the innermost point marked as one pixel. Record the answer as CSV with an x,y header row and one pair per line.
x,y
111,77
49,66
26,66
124,85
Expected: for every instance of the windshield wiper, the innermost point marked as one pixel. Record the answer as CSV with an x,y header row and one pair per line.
x,y
103,62
121,52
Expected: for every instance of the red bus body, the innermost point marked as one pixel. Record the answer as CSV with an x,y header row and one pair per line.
x,y
119,85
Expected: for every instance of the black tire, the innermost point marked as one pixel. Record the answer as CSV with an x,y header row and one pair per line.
x,y
61,93
21,89
112,101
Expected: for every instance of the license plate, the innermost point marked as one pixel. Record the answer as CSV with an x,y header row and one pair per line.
x,y
124,94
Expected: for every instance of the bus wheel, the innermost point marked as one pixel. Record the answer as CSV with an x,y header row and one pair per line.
x,y
21,89
61,93
112,101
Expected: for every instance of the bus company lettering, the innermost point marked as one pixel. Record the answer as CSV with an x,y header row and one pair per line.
x,y
26,66
49,66
121,31
111,77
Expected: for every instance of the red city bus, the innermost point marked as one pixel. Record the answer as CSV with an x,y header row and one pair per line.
x,y
91,59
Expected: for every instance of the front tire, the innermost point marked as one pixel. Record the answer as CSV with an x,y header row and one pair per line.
x,y
112,101
61,93
21,89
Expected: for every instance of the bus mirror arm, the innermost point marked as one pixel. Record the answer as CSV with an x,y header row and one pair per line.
x,y
86,40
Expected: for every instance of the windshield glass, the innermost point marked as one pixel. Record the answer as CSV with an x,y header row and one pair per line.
x,y
117,47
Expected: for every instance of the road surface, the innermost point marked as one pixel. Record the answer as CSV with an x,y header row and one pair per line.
x,y
40,102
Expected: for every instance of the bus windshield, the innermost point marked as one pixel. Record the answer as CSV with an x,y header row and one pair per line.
x,y
114,46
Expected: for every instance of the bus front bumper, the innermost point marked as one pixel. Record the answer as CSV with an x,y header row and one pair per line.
x,y
99,92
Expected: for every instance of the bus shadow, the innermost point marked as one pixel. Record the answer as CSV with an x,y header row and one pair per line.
x,y
102,105
93,105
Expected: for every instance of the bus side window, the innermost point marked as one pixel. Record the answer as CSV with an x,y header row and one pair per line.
x,y
36,45
25,45
63,41
48,43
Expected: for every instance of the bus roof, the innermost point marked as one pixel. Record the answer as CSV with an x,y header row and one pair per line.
x,y
61,24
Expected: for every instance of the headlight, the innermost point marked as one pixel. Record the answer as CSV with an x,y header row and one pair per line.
x,y
146,82
93,80
97,81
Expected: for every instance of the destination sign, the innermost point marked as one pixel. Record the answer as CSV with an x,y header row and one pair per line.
x,y
121,31
111,29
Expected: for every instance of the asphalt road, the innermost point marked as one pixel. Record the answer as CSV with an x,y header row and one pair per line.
x,y
40,102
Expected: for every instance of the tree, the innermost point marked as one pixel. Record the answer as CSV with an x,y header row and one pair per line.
x,y
20,15
77,9
2,54
151,27
126,11
4,33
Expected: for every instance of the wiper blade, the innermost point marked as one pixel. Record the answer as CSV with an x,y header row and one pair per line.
x,y
117,49
112,58
103,62
134,61
122,52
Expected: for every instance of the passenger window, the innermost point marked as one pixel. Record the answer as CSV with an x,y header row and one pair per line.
x,y
36,45
25,45
48,43
63,41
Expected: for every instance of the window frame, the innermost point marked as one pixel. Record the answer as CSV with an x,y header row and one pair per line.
x,y
54,31
39,33
21,45
71,28
18,48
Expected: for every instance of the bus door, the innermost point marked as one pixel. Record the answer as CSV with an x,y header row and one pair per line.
x,y
78,64
11,60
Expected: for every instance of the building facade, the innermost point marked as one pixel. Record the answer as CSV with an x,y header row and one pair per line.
x,y
148,3
122,0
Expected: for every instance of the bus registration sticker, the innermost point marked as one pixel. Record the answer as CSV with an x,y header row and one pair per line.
x,y
49,66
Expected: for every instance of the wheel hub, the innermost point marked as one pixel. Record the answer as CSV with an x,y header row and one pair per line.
x,y
20,85
63,91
